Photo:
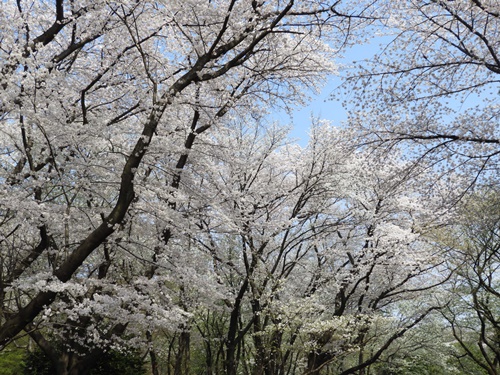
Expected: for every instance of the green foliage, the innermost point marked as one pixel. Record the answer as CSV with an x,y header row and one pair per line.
x,y
465,362
120,363
111,363
11,361
37,363
411,366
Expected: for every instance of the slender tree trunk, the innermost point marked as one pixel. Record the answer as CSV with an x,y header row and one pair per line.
x,y
360,361
231,364
315,362
261,365
275,355
152,354
183,354
232,335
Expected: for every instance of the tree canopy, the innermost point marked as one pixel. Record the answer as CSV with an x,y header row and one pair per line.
x,y
151,212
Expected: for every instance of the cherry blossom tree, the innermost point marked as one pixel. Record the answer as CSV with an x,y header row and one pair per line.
x,y
140,194
377,258
310,248
101,104
472,312
433,88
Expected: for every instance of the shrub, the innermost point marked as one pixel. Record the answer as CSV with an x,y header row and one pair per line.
x,y
111,363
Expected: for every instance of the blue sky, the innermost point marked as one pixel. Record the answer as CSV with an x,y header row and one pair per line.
x,y
322,105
